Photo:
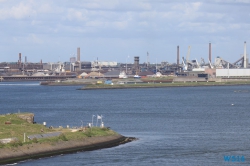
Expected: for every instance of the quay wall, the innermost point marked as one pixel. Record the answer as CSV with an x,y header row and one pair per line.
x,y
38,150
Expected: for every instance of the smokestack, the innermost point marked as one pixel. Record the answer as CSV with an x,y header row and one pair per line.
x,y
178,56
25,59
41,61
209,54
245,55
147,59
78,54
20,57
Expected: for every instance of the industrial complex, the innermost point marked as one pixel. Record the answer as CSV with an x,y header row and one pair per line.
x,y
185,69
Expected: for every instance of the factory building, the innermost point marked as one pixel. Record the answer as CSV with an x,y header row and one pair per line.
x,y
232,73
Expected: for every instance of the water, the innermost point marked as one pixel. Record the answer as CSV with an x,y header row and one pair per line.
x,y
175,126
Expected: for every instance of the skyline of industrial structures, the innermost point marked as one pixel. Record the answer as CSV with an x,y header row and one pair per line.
x,y
189,69
75,64
77,58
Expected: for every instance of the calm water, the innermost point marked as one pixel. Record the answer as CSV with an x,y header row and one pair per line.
x,y
175,126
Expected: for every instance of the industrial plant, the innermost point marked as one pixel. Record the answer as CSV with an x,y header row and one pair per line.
x,y
185,69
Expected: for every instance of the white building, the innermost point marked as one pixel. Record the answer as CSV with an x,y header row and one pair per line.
x,y
232,72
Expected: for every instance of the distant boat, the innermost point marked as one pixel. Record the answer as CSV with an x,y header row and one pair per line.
x,y
136,76
123,75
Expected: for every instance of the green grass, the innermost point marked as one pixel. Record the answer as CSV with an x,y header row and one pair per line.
x,y
18,127
89,132
174,84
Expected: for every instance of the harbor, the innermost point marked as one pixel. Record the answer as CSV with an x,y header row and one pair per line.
x,y
184,69
174,125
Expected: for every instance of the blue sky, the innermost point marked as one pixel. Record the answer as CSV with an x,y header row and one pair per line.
x,y
112,30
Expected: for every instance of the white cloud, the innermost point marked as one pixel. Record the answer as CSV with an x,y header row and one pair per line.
x,y
97,4
46,8
74,14
144,5
95,24
32,38
243,1
19,11
121,24
235,26
232,1
160,21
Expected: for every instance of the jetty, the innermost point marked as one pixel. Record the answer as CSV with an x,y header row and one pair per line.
x,y
22,138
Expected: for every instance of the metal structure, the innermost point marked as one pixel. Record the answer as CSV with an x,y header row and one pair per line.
x,y
78,54
178,56
188,55
245,56
209,53
136,65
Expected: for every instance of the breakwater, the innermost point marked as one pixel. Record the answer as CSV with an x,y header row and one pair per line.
x,y
162,85
38,150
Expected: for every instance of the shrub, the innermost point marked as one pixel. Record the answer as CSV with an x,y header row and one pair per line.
x,y
35,140
62,137
105,128
15,143
1,144
88,133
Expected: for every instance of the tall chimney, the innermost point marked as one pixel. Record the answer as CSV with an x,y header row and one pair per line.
x,y
20,57
78,54
25,59
178,56
147,59
209,54
245,55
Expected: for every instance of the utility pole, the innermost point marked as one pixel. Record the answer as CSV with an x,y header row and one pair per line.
x,y
147,59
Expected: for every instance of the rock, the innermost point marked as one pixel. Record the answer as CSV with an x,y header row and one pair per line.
x,y
28,117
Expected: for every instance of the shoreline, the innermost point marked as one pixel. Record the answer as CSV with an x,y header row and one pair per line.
x,y
38,150
170,85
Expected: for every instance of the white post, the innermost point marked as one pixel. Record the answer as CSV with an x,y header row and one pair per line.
x,y
96,120
92,120
82,123
24,137
126,64
102,125
245,55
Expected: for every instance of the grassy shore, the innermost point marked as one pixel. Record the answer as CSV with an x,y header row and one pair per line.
x,y
18,127
159,85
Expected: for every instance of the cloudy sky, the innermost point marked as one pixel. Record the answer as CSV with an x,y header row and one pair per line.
x,y
118,30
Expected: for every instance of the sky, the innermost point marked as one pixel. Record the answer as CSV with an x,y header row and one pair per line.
x,y
118,30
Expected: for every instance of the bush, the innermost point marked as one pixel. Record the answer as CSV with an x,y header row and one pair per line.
x,y
105,128
35,140
88,133
15,143
1,144
62,137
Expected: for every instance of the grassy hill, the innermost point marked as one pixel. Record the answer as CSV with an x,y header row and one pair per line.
x,y
14,127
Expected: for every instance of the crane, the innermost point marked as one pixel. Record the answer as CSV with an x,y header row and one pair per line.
x,y
184,64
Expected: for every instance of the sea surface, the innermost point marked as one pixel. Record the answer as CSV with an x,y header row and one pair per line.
x,y
175,126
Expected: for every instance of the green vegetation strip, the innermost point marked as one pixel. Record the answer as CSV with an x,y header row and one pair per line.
x,y
154,85
18,127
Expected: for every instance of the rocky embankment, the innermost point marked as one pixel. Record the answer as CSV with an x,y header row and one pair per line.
x,y
38,150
